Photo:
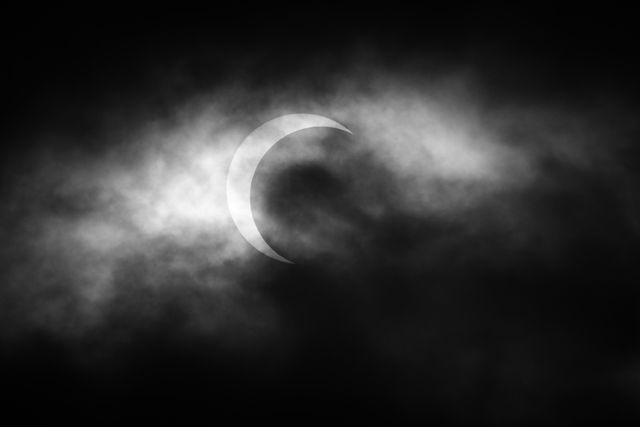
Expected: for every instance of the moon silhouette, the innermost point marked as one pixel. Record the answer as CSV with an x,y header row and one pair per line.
x,y
245,162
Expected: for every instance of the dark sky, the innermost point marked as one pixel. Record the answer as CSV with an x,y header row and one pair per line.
x,y
468,256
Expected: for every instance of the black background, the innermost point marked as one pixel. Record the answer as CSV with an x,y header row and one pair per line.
x,y
61,64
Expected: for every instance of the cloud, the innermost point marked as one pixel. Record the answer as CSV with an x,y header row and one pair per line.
x,y
453,248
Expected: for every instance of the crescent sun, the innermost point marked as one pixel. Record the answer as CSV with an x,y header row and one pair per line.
x,y
245,162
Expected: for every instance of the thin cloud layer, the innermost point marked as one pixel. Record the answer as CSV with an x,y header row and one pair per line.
x,y
443,225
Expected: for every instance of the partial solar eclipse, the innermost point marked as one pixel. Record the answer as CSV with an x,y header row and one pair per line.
x,y
245,163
